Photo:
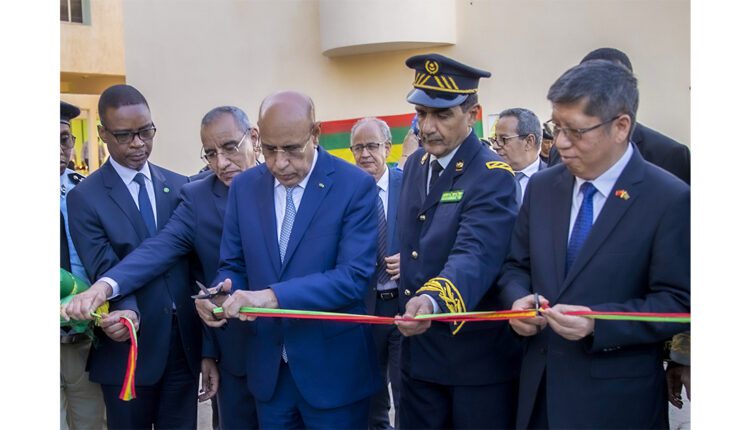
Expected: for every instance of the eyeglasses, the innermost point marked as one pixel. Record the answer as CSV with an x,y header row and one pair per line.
x,y
126,137
574,133
67,141
371,147
231,149
296,150
496,140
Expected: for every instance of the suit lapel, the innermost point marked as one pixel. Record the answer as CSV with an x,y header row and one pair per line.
x,y
422,169
267,212
613,210
119,193
561,198
317,188
220,196
162,192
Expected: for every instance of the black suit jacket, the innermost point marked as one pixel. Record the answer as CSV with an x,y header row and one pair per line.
x,y
635,259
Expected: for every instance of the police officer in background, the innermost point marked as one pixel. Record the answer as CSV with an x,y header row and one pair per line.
x,y
455,218
81,404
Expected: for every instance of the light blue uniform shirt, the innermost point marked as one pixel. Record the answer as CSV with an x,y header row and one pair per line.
x,y
75,262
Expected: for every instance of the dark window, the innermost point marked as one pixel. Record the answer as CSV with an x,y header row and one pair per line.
x,y
64,10
73,11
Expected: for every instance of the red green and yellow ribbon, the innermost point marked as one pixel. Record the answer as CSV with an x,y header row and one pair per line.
x,y
459,316
127,392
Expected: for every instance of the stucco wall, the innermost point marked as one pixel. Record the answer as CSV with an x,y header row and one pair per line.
x,y
188,56
96,48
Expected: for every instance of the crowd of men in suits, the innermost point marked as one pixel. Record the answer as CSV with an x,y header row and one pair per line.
x,y
462,228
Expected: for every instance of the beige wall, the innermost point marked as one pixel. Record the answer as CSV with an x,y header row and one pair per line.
x,y
188,56
96,48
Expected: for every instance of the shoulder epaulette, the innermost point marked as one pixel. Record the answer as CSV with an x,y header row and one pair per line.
x,y
75,177
500,165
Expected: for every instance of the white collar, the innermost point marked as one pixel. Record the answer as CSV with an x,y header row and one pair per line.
x,y
606,181
531,168
383,181
127,174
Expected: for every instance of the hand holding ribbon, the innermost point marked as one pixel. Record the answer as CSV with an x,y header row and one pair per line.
x,y
528,326
420,305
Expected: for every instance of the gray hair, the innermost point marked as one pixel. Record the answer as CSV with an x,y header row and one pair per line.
x,y
240,117
607,88
384,129
528,123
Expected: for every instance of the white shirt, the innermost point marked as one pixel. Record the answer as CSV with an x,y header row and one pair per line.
x,y
128,175
279,196
527,172
383,195
603,184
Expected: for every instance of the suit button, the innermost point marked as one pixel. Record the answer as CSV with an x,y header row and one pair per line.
x,y
422,217
407,292
542,350
167,311
414,255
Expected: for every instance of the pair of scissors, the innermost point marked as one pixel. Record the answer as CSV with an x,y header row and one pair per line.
x,y
537,305
207,294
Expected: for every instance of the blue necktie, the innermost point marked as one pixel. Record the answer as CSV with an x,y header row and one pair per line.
x,y
287,223
286,231
144,204
582,226
382,275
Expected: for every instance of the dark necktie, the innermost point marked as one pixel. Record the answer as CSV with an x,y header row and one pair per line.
x,y
436,169
382,275
582,226
144,204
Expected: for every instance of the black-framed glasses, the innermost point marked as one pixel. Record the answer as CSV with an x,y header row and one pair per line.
x,y
296,150
67,141
230,149
574,133
370,146
126,137
496,141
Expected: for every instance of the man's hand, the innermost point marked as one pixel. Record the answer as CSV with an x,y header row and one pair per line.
x,y
528,326
254,299
393,266
677,376
82,304
419,305
567,326
205,307
116,330
209,379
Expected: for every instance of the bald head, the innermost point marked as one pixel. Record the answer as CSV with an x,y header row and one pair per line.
x,y
289,106
288,135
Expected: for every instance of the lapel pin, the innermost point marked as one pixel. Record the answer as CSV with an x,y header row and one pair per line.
x,y
460,166
321,185
166,190
622,194
424,158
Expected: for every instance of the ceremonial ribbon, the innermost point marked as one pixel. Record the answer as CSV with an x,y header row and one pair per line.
x,y
459,316
127,392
